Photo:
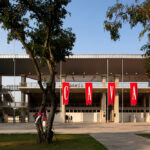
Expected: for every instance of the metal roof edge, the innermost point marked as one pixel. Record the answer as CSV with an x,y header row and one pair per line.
x,y
106,56
11,56
77,56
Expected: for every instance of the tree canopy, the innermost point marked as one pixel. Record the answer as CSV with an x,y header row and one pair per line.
x,y
134,12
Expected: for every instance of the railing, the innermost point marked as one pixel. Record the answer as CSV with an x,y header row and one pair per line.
x,y
10,87
14,104
18,104
139,84
82,84
72,84
7,94
31,84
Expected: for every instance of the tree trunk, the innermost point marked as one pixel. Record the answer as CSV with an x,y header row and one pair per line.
x,y
41,135
46,135
49,125
39,125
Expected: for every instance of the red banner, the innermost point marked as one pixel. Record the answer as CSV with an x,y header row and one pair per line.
x,y
65,86
111,93
88,91
133,93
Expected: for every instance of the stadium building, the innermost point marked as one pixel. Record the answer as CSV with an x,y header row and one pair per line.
x,y
78,70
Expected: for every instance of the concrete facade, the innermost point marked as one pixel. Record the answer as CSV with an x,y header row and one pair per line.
x,y
77,70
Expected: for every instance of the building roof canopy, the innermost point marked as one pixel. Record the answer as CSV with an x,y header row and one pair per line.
x,y
130,65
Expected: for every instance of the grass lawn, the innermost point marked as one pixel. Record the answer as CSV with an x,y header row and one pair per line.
x,y
61,142
145,135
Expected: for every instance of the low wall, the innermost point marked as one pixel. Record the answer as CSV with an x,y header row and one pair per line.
x,y
73,117
83,117
134,117
57,117
95,117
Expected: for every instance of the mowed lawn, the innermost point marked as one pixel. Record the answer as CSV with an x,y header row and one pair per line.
x,y
61,142
147,135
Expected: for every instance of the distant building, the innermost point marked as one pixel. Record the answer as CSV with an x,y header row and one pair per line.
x,y
77,70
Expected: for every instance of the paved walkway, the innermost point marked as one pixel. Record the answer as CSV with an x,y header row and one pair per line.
x,y
122,141
113,136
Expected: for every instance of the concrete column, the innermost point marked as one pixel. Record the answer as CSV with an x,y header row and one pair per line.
x,y
23,83
0,80
0,90
23,80
116,105
28,114
1,103
14,115
112,114
5,117
23,113
29,105
104,79
149,107
117,80
103,102
62,107
103,108
144,101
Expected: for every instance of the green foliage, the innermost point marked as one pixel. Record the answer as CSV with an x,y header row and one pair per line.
x,y
136,12
38,24
146,135
146,49
63,142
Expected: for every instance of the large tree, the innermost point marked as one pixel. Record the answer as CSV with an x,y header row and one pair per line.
x,y
38,25
132,12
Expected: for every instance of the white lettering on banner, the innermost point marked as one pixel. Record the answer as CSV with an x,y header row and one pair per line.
x,y
65,92
134,93
89,94
111,91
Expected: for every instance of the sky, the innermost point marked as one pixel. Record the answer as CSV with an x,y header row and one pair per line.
x,y
87,22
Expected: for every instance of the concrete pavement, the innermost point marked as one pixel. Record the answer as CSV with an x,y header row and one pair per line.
x,y
113,136
122,141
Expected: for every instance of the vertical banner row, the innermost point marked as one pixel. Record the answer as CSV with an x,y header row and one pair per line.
x,y
111,93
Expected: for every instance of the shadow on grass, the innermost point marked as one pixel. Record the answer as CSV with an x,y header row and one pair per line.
x,y
60,142
146,135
